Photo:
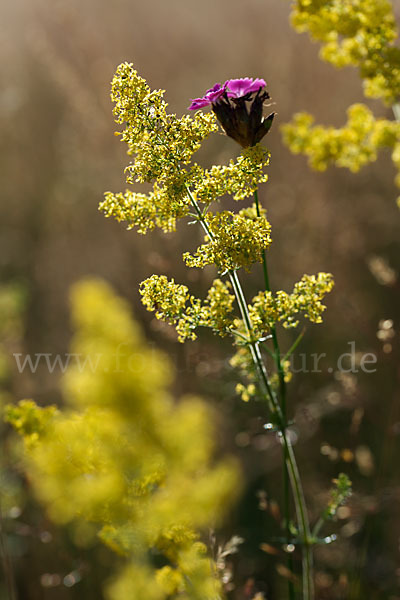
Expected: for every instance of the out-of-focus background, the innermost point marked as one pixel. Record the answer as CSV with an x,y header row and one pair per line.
x,y
58,155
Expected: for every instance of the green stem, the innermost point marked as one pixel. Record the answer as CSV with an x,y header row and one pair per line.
x,y
282,388
276,412
282,384
294,345
317,527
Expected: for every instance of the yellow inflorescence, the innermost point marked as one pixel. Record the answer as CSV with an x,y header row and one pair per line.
x,y
29,420
266,311
356,32
161,142
352,146
145,212
162,146
246,391
173,303
237,241
306,298
361,33
124,460
239,179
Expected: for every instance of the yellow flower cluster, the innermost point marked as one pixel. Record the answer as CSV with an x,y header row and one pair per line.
x,y
30,422
240,179
356,32
193,581
124,460
242,362
162,146
145,212
235,241
352,146
268,308
173,304
360,33
246,391
287,375
165,297
161,142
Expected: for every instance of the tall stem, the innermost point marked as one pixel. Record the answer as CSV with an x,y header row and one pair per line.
x,y
282,390
276,411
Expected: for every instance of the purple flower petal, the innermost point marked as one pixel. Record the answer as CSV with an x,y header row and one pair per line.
x,y
199,103
210,97
237,88
215,93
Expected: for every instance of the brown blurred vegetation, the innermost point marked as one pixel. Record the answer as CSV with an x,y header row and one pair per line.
x,y
57,157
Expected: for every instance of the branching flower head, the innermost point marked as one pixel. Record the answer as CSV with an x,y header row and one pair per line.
x,y
244,123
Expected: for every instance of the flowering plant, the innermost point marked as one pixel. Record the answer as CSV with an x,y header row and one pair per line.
x,y
163,146
122,447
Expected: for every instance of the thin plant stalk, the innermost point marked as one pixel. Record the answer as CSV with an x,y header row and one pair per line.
x,y
282,390
276,413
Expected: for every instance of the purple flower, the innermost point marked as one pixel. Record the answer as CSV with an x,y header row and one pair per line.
x,y
238,88
238,105
210,97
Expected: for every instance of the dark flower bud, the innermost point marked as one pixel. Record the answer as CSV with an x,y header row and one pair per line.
x,y
238,106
